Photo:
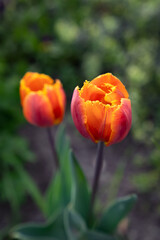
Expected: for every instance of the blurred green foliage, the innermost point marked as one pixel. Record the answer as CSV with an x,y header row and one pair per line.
x,y
76,40
14,153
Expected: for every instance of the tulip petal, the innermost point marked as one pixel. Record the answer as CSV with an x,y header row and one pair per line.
x,y
92,92
37,109
121,122
57,99
98,120
78,113
36,81
23,92
108,78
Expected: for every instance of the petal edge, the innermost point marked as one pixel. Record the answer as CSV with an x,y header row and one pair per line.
x,y
78,113
121,122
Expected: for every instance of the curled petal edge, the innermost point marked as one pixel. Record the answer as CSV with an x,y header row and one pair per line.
x,y
121,122
78,113
57,98
111,79
98,120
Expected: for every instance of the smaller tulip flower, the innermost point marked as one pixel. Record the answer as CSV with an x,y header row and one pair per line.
x,y
101,109
43,100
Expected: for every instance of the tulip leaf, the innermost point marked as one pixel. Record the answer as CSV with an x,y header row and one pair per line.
x,y
118,209
63,151
53,230
74,224
80,190
62,145
74,185
58,195
54,196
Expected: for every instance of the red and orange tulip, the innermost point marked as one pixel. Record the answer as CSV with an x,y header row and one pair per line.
x,y
42,99
101,109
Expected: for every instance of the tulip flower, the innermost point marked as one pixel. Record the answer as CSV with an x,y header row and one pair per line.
x,y
42,99
101,109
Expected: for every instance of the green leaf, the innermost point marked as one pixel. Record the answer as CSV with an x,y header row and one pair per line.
x,y
53,230
74,224
54,196
63,151
80,190
70,184
31,188
62,144
94,235
115,213
58,195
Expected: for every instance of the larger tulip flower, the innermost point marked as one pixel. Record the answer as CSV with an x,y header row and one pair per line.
x,y
42,99
101,109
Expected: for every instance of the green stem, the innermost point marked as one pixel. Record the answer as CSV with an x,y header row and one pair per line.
x,y
98,168
52,144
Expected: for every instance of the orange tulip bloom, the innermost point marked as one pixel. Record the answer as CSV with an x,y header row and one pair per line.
x,y
42,99
101,109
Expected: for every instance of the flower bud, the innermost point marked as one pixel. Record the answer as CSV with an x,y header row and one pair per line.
x,y
43,99
101,109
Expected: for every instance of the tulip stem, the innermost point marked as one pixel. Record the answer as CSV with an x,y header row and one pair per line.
x,y
52,144
98,168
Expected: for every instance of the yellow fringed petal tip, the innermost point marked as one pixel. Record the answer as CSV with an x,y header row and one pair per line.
x,y
101,109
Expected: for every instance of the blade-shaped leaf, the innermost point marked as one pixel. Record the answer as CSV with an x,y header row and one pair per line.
x,y
74,224
53,230
62,144
54,196
63,151
80,190
58,195
116,212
